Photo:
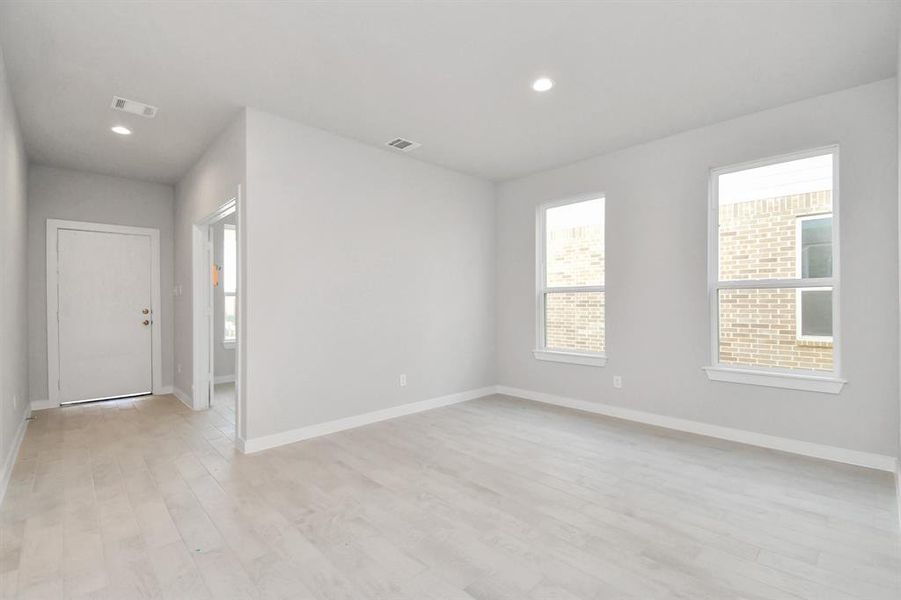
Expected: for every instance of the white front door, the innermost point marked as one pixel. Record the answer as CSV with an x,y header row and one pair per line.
x,y
104,315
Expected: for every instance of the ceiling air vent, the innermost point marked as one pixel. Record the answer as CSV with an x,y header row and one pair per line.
x,y
134,107
403,145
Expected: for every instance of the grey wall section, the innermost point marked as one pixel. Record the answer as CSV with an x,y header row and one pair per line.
x,y
14,394
657,308
79,196
211,182
898,466
363,265
223,357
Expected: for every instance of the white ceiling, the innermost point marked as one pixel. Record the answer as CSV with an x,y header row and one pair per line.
x,y
453,76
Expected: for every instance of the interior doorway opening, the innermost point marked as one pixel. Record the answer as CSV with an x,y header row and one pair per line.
x,y
216,303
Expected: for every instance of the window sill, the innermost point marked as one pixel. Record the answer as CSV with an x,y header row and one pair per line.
x,y
790,381
574,358
229,345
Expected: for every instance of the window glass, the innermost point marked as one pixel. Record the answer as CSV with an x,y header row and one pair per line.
x,y
229,260
575,321
231,330
759,328
816,313
574,244
816,247
756,217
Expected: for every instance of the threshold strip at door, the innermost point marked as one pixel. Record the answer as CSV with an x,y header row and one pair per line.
x,y
138,395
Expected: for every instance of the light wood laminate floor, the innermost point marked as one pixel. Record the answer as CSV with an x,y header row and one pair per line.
x,y
494,498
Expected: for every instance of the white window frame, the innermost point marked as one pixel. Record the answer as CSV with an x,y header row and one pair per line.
x,y
827,382
228,342
542,352
799,292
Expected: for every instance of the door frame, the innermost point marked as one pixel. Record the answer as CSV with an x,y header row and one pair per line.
x,y
202,313
156,350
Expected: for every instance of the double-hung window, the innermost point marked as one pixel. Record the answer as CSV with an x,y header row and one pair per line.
x,y
230,283
774,277
570,282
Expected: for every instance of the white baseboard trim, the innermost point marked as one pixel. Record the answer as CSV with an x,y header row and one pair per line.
x,y
42,405
10,461
841,455
166,389
265,442
224,378
185,398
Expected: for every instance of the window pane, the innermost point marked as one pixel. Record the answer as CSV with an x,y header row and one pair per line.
x,y
575,244
758,209
816,247
816,312
231,329
229,260
759,328
574,321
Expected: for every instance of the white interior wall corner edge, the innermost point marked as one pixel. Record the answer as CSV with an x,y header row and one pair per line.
x,y
657,203
211,181
870,460
9,462
898,78
14,387
183,397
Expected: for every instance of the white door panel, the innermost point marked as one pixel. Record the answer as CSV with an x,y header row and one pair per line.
x,y
104,286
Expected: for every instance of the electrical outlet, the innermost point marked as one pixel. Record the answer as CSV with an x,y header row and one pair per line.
x,y
178,368
16,401
403,380
618,382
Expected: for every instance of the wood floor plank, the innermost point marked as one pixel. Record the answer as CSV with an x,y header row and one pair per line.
x,y
487,500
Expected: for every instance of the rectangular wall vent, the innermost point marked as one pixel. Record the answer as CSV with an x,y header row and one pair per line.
x,y
134,107
403,145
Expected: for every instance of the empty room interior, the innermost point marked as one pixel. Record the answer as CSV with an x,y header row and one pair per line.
x,y
308,300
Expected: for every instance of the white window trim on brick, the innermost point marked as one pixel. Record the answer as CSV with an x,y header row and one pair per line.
x,y
827,382
541,351
799,305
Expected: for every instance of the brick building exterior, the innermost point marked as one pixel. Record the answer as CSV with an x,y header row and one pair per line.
x,y
758,241
575,321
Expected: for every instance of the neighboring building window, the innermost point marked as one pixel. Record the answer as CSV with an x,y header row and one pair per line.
x,y
570,278
814,305
774,278
230,282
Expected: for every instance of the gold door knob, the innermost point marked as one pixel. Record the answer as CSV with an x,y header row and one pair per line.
x,y
146,322
146,311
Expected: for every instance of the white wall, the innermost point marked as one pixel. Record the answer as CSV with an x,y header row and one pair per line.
x,y
79,196
223,357
361,265
898,78
657,313
211,182
14,404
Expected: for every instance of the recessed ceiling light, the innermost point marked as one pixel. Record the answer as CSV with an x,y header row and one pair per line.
x,y
542,84
121,130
